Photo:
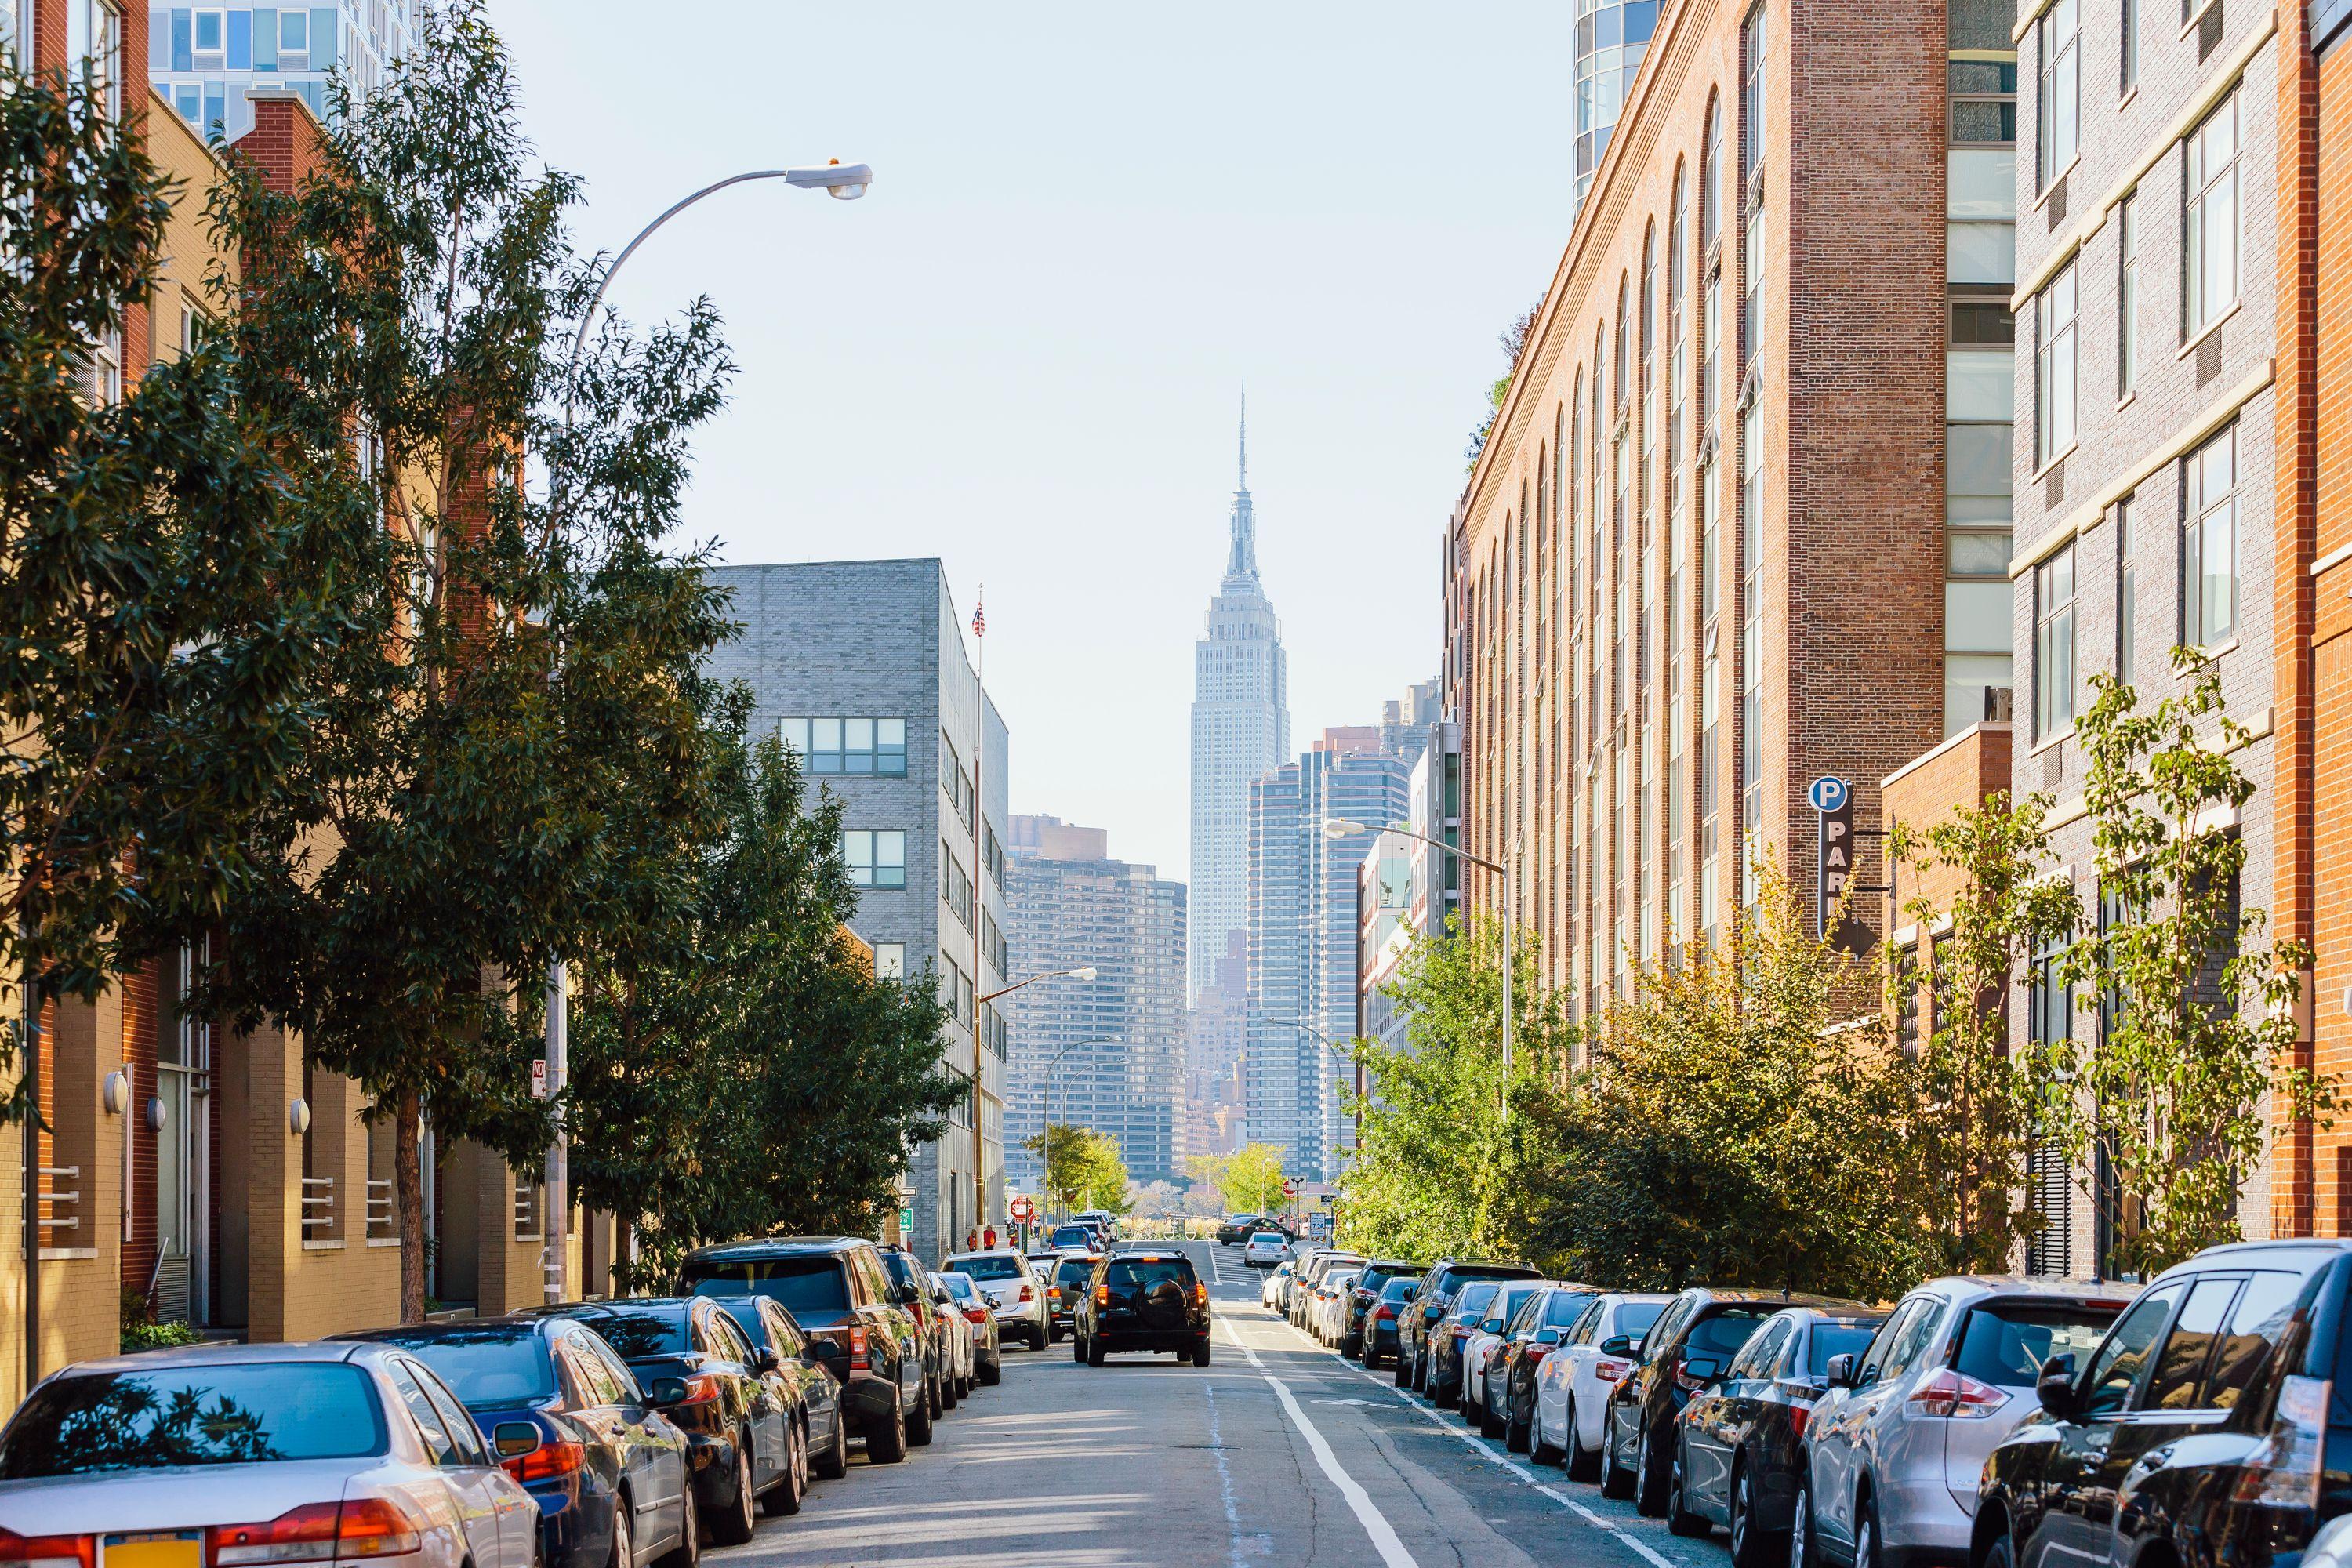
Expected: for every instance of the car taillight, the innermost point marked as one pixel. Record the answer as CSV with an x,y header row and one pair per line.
x,y
701,1388
1052,1293
47,1550
547,1461
1797,1414
1611,1371
1956,1393
976,1315
1199,1294
1102,1295
1027,1294
1387,1314
857,1361
2284,1471
316,1532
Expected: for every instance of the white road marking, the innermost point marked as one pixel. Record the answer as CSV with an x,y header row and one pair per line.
x,y
1225,1476
1376,1524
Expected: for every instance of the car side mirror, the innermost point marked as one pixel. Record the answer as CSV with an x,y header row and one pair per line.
x,y
1702,1369
1617,1345
1839,1373
822,1351
2056,1387
662,1392
1548,1336
513,1439
1434,1311
907,1296
770,1361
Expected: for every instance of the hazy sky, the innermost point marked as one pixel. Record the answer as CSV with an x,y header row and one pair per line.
x,y
1020,351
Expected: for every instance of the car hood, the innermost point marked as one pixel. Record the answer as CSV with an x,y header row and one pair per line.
x,y
175,1498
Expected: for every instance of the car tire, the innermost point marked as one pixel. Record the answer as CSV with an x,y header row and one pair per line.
x,y
1680,1520
1489,1424
734,1527
1999,1553
1583,1464
885,1441
833,1462
1867,1539
1403,1371
1650,1480
1078,1348
1038,1338
624,1553
934,1398
950,1391
1800,1519
991,1372
920,1424
1538,1450
1616,1480
1094,1352
1518,1435
1750,1547
783,1499
1201,1351
688,1553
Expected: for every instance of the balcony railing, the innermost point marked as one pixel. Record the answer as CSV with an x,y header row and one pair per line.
x,y
50,1177
318,1207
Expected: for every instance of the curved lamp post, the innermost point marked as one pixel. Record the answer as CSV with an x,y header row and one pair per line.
x,y
978,1144
1046,1181
1347,827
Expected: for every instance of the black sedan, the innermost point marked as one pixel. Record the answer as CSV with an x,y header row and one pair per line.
x,y
1443,1343
784,1349
568,1419
742,1424
1742,1441
1361,1297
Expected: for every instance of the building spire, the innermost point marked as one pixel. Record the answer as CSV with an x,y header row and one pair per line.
x,y
1244,471
1242,563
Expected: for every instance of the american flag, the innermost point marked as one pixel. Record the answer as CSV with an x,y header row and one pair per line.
x,y
980,618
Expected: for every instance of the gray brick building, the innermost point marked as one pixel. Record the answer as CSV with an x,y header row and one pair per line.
x,y
863,666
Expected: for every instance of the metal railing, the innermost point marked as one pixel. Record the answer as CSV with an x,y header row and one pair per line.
x,y
527,1195
317,1204
51,1175
380,1227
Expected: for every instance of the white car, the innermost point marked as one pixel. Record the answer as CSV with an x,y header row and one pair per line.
x,y
1013,1292
1485,1346
1573,1382
1331,1304
1267,1249
217,1455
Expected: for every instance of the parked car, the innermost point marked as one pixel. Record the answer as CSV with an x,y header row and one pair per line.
x,y
1308,1283
1373,1279
1684,1352
1379,1334
1483,1348
1236,1227
1303,1258
1743,1441
1442,1380
838,1291
1272,1283
959,1369
1143,1301
2210,1425
607,1469
1074,1274
980,1311
1508,1384
1265,1249
786,1349
1573,1382
1331,1304
913,1282
1017,1296
1429,1306
742,1430
239,1445
1896,1446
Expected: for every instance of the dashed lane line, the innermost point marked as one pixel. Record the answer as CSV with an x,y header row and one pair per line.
x,y
1376,1524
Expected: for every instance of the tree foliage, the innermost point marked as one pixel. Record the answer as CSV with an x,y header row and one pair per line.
x,y
1084,1169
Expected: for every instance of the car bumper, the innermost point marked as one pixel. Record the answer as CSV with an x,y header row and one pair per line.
x,y
1113,1341
576,1530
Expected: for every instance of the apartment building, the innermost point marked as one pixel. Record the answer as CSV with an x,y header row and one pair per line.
x,y
1701,559
206,60
1407,890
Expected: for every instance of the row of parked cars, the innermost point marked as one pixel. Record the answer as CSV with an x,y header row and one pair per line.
x,y
587,1434
1987,1421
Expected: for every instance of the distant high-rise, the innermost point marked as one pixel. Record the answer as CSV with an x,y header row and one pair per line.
x,y
203,59
1241,731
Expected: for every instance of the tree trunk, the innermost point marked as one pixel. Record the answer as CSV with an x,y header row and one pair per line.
x,y
408,1198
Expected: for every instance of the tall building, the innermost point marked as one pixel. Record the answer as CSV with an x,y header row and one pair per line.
x,y
203,59
1216,1040
1701,559
861,666
1303,940
1107,1053
1410,889
1612,36
1240,729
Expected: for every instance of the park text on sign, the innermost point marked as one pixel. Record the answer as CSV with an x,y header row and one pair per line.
x,y
1833,799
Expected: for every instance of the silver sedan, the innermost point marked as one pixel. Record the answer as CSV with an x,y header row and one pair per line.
x,y
1014,1292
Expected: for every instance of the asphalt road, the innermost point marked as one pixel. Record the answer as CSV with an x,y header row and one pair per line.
x,y
1278,1453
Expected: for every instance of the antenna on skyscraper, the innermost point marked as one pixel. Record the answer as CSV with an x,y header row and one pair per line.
x,y
1244,469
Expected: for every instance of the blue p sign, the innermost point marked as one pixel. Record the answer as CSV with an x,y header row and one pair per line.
x,y
1827,795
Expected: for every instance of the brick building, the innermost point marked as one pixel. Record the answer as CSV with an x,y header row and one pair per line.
x,y
1703,556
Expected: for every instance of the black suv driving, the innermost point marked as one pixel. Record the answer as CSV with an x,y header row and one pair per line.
x,y
1143,1301
858,1319
1445,1276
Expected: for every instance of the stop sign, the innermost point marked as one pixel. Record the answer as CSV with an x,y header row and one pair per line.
x,y
1289,1189
1021,1208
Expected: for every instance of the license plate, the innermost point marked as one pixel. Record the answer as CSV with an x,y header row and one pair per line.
x,y
176,1548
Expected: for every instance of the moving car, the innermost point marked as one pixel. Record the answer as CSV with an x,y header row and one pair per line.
x,y
786,1349
839,1293
1896,1446
1743,1441
1684,1352
2210,1423
1442,1378
1379,1333
1015,1294
1483,1343
1429,1305
1528,1339
1144,1301
1236,1227
1573,1382
1369,1284
988,1350
1073,1275
608,1472
1265,1248
236,1448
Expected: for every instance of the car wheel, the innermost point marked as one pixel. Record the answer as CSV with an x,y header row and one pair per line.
x,y
1403,1369
991,1372
783,1499
950,1391
1201,1351
885,1440
1094,1352
1680,1520
1999,1553
1078,1348
1749,1543
1539,1448
1800,1522
734,1527
1515,1434
833,1462
689,1551
1865,1534
1489,1424
1615,1479
1584,1464
624,1553
1650,1479
1038,1338
935,1394
919,1424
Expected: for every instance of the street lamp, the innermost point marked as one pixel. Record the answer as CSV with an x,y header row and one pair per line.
x,y
1348,828
846,182
1046,1181
978,1158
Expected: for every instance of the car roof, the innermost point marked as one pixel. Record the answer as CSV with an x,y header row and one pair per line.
x,y
1743,1296
778,1246
224,1353
2305,1253
417,1333
1971,1287
983,1252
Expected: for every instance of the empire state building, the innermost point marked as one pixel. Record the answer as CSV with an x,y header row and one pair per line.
x,y
1241,731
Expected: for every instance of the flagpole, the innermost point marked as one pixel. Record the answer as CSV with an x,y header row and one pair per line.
x,y
979,899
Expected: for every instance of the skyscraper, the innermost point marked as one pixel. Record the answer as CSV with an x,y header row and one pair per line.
x,y
202,59
1240,731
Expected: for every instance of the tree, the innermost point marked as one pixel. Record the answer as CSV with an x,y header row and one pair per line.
x,y
1514,339
514,696
1252,1179
1084,1168
160,616
2200,1017
740,1069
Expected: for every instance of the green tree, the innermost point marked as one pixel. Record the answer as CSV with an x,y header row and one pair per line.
x,y
1084,1168
1252,1179
514,696
2200,1016
740,1071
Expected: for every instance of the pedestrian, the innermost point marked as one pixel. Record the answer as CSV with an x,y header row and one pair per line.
x,y
971,1241
988,1239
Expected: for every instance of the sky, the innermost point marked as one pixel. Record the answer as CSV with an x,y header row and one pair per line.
x,y
1021,353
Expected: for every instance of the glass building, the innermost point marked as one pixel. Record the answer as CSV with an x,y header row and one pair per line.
x,y
204,59
1612,36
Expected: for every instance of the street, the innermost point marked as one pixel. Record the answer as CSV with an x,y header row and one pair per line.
x,y
1277,1453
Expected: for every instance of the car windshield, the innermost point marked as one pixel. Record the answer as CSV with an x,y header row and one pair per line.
x,y
1634,1318
486,1366
2006,1342
812,1287
1073,1270
1147,1272
1723,1333
988,1265
1474,1297
235,1414
1400,1290
643,1332
1565,1306
1836,1338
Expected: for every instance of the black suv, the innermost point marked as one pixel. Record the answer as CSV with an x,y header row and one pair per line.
x,y
1143,1301
857,1317
2211,1425
1445,1276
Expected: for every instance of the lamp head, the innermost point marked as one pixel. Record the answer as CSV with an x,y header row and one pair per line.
x,y
1342,827
843,181
1087,973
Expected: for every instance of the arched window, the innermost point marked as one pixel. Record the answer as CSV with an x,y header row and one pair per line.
x,y
1624,298
1710,168
1649,309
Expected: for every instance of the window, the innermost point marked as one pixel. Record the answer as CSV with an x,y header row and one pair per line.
x,y
848,745
889,960
1874,1360
2127,297
2209,248
293,36
2208,567
2116,1371
955,887
955,781
1983,98
94,37
2178,1382
2059,105
11,26
2126,594
2129,67
2053,645
212,34
2256,1326
2054,378
1753,242
877,858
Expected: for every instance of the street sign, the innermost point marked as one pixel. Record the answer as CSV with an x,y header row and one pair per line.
x,y
1832,798
906,1221
1022,1210
1289,1189
539,1078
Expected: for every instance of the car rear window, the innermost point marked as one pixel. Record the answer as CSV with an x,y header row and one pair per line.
x,y
1073,1270
1565,1306
812,1287
1473,1296
1836,1338
647,1332
1074,1236
960,1285
1400,1290
1274,1236
487,1367
173,1416
987,1266
1721,1333
1148,1271
2005,1342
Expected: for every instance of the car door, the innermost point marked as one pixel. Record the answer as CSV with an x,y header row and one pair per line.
x,y
2172,1406
769,1406
656,1460
1631,1399
1837,1422
467,1489
1717,1417
516,1514
2073,1527
820,1395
